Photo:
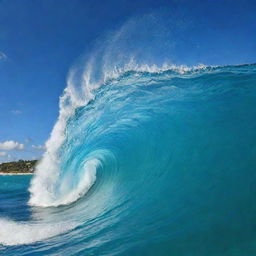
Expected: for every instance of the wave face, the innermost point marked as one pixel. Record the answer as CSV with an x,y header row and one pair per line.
x,y
153,161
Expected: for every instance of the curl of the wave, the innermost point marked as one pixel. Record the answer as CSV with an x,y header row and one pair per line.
x,y
106,63
48,170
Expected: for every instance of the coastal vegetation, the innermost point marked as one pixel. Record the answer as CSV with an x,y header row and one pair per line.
x,y
21,166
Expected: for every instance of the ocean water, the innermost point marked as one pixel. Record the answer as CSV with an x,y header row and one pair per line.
x,y
149,162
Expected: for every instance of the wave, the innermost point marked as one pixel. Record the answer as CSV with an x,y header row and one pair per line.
x,y
51,186
47,175
149,142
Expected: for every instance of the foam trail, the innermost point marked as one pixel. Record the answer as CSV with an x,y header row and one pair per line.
x,y
14,233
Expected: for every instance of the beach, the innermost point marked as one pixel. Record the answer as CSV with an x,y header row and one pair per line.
x,y
14,173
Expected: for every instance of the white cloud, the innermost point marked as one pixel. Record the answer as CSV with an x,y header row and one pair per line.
x,y
11,145
2,56
16,111
39,147
3,154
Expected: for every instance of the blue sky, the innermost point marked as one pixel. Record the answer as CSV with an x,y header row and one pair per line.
x,y
40,40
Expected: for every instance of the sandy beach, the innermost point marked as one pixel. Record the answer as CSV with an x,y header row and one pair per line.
x,y
18,173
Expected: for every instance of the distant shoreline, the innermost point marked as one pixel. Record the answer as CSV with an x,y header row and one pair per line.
x,y
21,167
15,173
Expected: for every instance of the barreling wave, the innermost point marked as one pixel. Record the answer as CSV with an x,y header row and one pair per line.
x,y
63,175
49,187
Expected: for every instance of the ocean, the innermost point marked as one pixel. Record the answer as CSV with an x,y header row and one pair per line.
x,y
152,161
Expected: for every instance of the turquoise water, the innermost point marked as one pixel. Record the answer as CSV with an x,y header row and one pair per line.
x,y
157,163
